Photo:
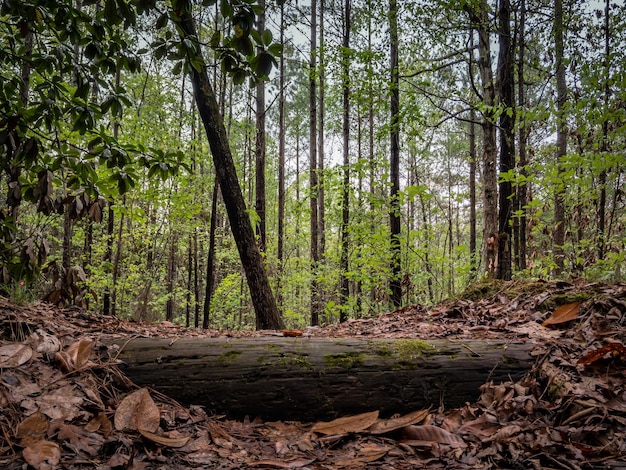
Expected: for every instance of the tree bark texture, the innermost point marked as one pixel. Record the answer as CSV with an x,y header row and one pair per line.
x,y
394,159
260,148
311,379
507,139
313,183
558,231
344,290
267,315
479,16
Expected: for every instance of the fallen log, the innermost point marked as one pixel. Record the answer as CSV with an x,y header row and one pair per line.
x,y
309,379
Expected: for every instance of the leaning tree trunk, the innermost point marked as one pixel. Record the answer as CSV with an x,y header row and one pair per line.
x,y
308,379
267,314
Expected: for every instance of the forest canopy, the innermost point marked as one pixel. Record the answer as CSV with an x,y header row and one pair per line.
x,y
386,153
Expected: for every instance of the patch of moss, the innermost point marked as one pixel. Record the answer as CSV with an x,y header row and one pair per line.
x,y
295,360
381,349
408,349
229,357
345,360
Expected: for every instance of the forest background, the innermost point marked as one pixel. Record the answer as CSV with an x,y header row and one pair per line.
x,y
389,153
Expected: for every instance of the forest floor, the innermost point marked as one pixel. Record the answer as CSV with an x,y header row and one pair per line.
x,y
65,403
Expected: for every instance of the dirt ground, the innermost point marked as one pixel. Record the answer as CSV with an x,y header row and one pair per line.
x,y
64,403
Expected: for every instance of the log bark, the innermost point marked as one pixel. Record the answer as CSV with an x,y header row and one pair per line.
x,y
309,379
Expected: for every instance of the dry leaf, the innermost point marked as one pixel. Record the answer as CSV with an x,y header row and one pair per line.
x,y
387,425
43,455
563,314
14,355
428,435
80,352
46,343
137,411
291,333
32,429
100,422
164,440
610,350
280,464
348,424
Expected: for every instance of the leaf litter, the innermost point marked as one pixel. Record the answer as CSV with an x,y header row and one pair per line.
x,y
65,404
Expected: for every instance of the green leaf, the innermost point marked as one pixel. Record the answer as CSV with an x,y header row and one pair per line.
x,y
162,21
267,37
178,68
226,9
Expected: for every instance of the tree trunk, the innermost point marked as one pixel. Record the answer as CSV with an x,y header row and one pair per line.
x,y
604,148
345,203
321,215
309,379
267,314
507,136
170,276
313,183
558,231
210,267
395,285
281,162
472,193
522,190
260,148
479,16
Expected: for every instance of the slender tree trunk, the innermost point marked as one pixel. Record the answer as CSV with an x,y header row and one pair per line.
x,y
605,132
108,300
117,259
267,314
260,147
313,182
281,161
320,145
558,233
480,19
345,205
395,285
210,269
507,136
371,130
196,284
522,190
472,191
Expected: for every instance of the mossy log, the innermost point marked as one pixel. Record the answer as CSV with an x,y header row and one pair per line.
x,y
308,379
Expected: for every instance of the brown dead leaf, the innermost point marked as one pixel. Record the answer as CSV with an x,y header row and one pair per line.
x,y
299,463
347,424
505,432
80,439
32,429
387,425
43,455
291,333
137,411
14,355
563,314
100,422
75,357
609,350
80,352
165,440
428,435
